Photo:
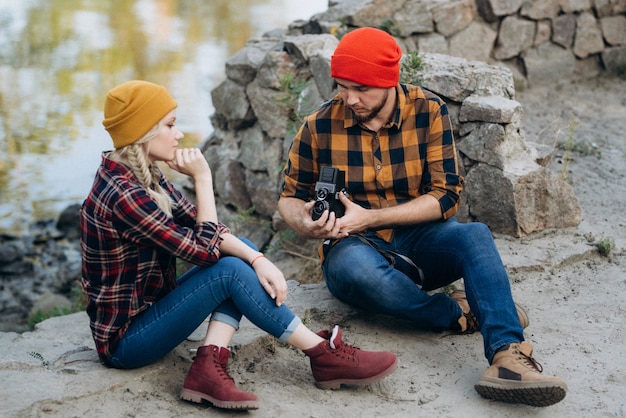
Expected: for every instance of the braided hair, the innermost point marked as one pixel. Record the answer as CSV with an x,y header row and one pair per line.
x,y
135,157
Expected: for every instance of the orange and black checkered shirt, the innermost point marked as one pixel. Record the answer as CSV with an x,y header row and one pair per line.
x,y
412,154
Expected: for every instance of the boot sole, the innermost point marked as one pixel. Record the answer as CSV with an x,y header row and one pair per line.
x,y
198,397
528,393
336,384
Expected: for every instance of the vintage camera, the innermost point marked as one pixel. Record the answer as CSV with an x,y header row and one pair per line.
x,y
331,182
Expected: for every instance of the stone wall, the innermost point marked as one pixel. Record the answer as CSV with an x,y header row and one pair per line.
x,y
538,41
506,187
541,41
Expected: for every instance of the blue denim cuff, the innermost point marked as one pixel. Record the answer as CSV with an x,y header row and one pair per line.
x,y
290,329
226,319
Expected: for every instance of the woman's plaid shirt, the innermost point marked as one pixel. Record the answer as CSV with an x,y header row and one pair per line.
x,y
413,154
129,249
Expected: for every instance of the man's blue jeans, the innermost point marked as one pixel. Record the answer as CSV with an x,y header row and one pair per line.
x,y
359,275
226,289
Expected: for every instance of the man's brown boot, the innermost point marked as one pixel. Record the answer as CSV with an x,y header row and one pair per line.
x,y
334,362
208,379
515,377
461,298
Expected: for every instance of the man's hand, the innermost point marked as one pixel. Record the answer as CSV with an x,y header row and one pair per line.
x,y
354,220
297,214
325,227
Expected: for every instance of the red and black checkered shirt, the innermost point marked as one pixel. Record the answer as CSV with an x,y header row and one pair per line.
x,y
412,154
129,249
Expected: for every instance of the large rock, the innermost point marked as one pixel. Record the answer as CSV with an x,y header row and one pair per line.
x,y
491,10
475,42
548,63
614,59
564,30
540,9
516,35
588,38
614,30
520,200
480,98
452,16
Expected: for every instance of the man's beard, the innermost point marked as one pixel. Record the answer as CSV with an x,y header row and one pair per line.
x,y
374,112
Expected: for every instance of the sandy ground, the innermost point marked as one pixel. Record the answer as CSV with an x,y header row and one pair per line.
x,y
572,294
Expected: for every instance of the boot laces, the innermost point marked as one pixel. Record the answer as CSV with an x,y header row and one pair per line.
x,y
347,351
527,359
222,370
340,348
471,323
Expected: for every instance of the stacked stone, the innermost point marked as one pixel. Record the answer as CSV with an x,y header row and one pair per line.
x,y
541,41
506,187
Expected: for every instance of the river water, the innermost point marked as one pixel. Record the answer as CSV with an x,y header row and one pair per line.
x,y
58,58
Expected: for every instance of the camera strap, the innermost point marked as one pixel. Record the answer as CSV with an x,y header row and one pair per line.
x,y
398,261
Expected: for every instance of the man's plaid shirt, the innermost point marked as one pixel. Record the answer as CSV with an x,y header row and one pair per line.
x,y
413,154
129,249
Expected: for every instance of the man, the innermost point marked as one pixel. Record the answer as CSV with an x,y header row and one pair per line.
x,y
394,145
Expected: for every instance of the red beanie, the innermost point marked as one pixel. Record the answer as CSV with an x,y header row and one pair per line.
x,y
367,56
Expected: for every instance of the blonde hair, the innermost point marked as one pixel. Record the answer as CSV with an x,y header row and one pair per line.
x,y
135,157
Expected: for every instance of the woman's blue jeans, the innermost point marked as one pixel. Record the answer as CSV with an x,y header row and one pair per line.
x,y
227,290
359,275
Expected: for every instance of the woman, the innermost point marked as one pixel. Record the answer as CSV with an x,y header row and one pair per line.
x,y
135,225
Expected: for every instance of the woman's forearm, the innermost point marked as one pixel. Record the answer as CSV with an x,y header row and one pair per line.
x,y
205,198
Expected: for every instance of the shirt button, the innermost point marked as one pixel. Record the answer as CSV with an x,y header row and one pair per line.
x,y
378,166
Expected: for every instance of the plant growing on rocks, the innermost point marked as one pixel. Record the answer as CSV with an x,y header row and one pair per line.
x,y
390,27
411,68
44,363
78,300
292,101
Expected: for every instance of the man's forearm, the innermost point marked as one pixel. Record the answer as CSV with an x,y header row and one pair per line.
x,y
422,209
291,209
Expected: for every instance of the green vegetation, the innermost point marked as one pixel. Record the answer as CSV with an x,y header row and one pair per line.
x,y
389,26
569,145
292,101
411,68
78,301
44,363
41,316
605,246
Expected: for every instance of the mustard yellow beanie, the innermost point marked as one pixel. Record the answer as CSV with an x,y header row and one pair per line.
x,y
133,108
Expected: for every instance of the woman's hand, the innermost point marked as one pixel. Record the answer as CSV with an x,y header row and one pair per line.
x,y
190,161
271,278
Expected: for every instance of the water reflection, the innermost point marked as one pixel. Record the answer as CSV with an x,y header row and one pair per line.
x,y
58,58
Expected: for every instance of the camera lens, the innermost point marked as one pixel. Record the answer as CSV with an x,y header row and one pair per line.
x,y
322,193
318,209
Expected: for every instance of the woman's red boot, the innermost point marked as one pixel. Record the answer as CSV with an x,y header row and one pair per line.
x,y
335,363
208,379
